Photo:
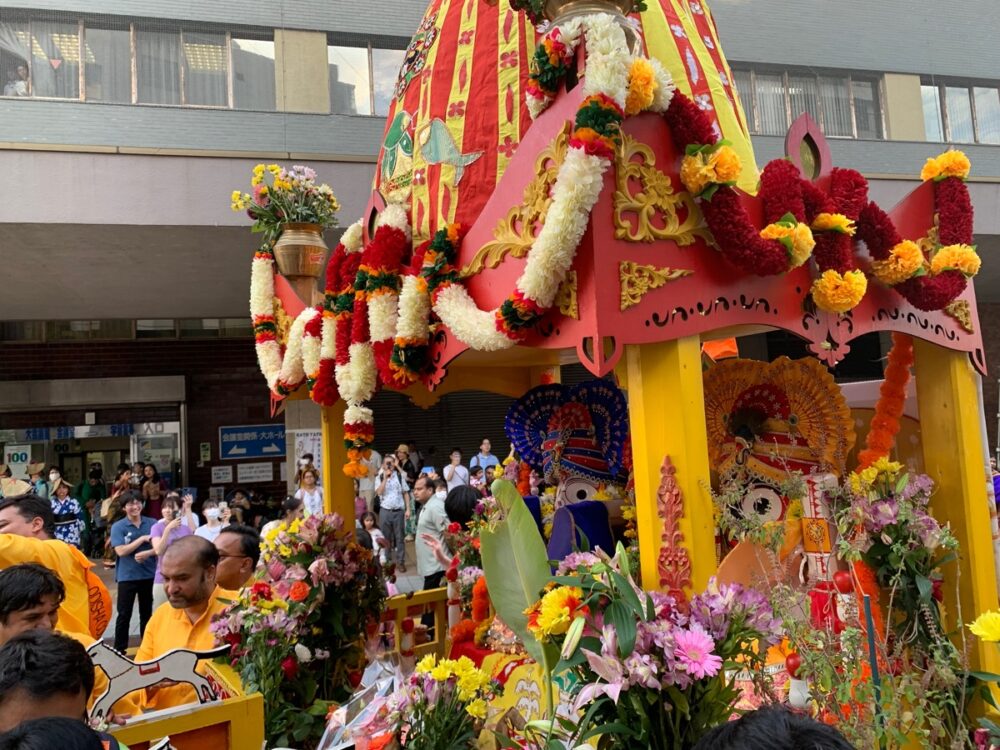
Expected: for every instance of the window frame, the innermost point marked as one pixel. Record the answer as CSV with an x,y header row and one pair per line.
x,y
753,120
969,85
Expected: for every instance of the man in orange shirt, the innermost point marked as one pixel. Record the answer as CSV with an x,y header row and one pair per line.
x,y
27,528
189,569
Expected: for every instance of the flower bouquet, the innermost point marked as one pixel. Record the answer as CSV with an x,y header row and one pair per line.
x,y
441,705
281,196
298,626
650,671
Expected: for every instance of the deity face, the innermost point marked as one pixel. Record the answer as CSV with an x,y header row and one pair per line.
x,y
575,490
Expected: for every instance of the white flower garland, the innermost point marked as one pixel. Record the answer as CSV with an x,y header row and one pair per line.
x,y
293,371
311,348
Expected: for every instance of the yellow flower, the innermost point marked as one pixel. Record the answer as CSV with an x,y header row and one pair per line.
x,y
441,672
280,184
693,175
273,169
884,468
558,608
426,664
797,238
959,257
235,196
987,626
284,550
641,86
726,164
838,293
948,164
833,223
905,259
477,709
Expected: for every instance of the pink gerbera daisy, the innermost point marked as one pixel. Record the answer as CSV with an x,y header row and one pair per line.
x,y
693,650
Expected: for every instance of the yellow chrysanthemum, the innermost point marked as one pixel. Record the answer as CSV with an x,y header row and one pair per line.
x,y
905,259
726,164
960,257
477,709
425,665
803,243
987,627
886,469
833,223
948,164
441,672
693,174
838,293
641,86
776,231
258,170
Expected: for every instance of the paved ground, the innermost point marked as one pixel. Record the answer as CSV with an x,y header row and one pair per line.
x,y
407,582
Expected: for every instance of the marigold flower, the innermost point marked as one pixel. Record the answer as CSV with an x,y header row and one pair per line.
x,y
838,293
960,257
642,86
905,259
948,164
726,164
987,627
833,223
693,174
477,709
797,238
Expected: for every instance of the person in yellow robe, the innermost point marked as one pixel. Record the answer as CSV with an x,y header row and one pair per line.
x,y
27,528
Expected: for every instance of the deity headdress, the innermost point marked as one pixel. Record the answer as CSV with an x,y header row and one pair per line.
x,y
571,431
766,420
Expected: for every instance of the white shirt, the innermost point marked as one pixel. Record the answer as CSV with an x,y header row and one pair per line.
x,y
207,532
459,476
313,501
376,534
373,462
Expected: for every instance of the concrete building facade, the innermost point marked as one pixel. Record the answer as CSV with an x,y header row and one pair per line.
x,y
127,124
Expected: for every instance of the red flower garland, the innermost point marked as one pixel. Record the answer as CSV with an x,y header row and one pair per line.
x,y
954,209
324,390
781,192
737,239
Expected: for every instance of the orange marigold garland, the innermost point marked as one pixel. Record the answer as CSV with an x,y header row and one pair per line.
x,y
885,424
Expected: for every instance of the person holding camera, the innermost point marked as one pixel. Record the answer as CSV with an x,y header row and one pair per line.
x,y
394,509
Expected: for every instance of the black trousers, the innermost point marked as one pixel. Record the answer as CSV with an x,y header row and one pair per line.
x,y
433,581
127,593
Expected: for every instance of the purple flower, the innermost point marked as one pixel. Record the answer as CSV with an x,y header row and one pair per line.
x,y
575,560
641,671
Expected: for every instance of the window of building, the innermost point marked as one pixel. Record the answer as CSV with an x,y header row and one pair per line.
x,y
350,80
385,70
108,64
155,329
214,328
158,66
205,69
253,74
55,59
87,330
844,106
22,330
960,113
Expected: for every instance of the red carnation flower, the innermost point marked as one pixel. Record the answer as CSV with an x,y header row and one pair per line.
x,y
290,666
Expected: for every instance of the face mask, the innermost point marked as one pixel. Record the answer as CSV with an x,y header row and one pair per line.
x,y
212,514
441,493
53,476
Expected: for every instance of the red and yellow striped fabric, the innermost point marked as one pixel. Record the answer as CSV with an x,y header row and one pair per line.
x,y
459,112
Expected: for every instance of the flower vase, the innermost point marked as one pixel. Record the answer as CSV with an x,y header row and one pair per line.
x,y
300,254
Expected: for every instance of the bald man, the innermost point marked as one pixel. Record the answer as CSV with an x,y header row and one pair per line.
x,y
189,568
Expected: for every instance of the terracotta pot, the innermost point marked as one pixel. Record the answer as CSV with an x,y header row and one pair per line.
x,y
558,11
300,251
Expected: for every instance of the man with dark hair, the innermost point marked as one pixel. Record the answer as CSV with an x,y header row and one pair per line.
x,y
239,551
30,595
131,538
26,535
42,675
773,728
189,568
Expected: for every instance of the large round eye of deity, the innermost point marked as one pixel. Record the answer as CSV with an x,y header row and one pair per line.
x,y
578,490
762,502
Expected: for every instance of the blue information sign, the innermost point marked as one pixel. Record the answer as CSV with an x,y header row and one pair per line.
x,y
252,441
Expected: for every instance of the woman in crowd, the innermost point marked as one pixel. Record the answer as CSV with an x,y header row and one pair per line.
x,y
291,508
68,513
309,492
216,517
169,529
153,490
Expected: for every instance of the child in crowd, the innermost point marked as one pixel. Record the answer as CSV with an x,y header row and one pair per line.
x,y
370,524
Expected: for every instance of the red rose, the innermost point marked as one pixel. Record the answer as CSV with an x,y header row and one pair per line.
x,y
299,591
290,666
454,527
937,592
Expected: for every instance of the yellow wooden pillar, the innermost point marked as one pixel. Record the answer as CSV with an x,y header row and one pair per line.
x,y
953,457
667,416
338,488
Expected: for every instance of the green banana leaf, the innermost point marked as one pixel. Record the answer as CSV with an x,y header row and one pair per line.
x,y
516,565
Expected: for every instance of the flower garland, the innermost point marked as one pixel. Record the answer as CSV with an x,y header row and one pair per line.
x,y
892,399
931,280
610,71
